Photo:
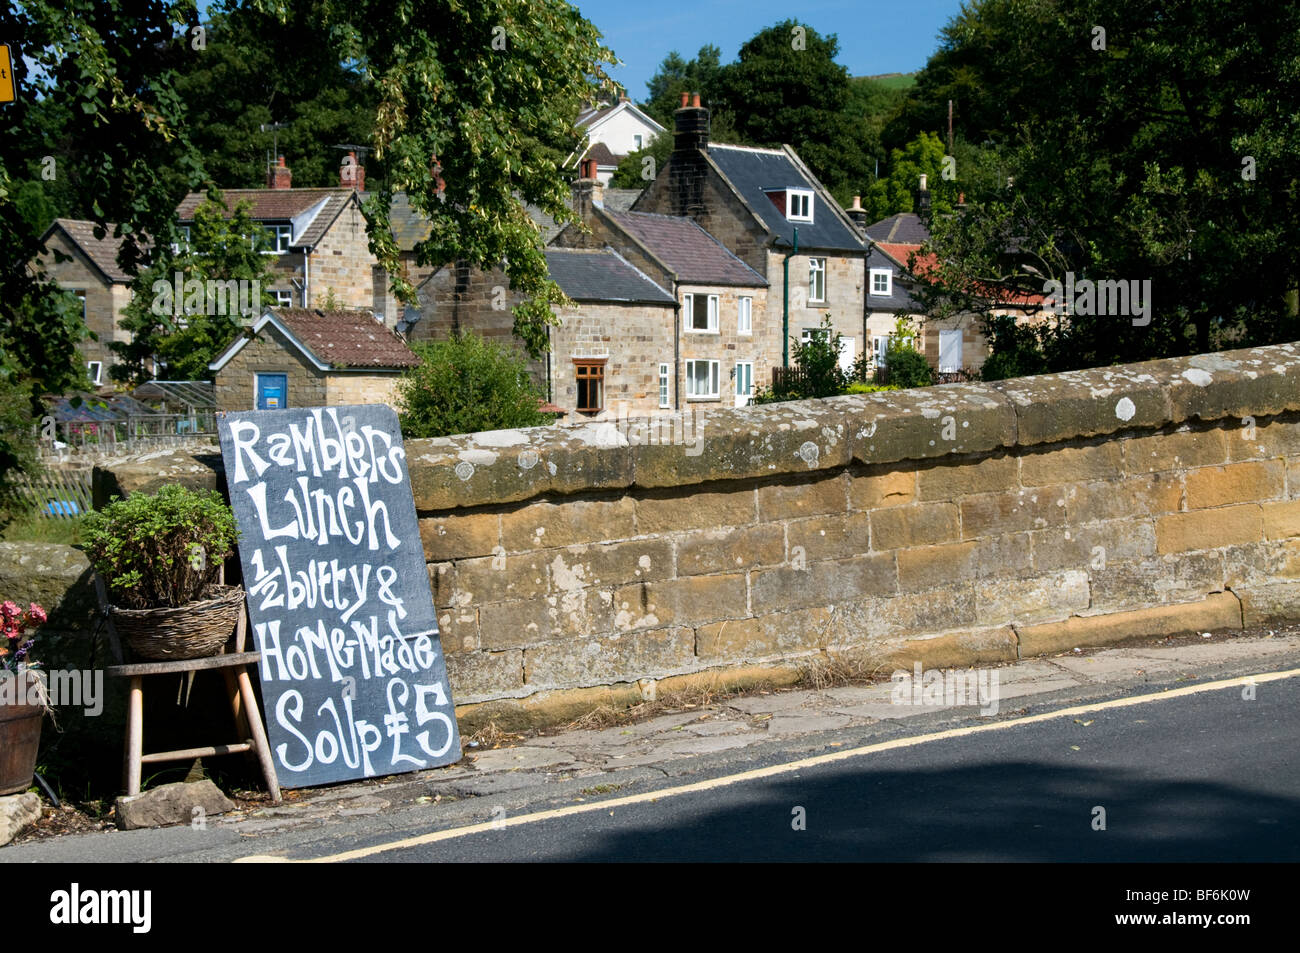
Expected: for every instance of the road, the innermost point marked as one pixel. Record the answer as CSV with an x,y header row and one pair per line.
x,y
1206,776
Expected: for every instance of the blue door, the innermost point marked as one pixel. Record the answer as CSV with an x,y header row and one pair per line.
x,y
272,391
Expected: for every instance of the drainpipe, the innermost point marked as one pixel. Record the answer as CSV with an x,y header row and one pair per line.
x,y
306,278
550,356
785,302
677,330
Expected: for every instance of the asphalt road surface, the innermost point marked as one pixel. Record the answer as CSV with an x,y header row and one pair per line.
x,y
1210,776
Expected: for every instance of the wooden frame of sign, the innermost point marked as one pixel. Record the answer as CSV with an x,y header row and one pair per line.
x,y
353,679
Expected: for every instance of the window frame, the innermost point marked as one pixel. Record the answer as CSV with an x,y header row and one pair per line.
x,y
665,384
744,315
282,304
589,364
281,234
710,316
816,267
714,372
806,197
889,282
97,377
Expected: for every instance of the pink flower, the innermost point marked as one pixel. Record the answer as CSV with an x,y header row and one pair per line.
x,y
10,631
9,609
37,614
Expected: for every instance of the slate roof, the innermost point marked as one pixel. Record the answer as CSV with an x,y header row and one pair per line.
x,y
904,228
895,258
754,171
687,249
409,227
619,200
102,252
279,205
350,339
602,276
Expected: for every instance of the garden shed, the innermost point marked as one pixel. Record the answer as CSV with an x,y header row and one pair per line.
x,y
300,357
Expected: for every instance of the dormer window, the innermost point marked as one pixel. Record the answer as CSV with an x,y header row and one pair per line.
x,y
799,205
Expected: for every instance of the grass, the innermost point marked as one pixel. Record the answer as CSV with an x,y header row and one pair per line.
x,y
32,528
894,80
831,671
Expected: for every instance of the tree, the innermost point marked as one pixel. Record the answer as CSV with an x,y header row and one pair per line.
x,y
785,87
897,191
188,331
466,384
96,108
676,76
1156,148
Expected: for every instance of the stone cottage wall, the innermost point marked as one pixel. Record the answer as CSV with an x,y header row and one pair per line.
x,y
961,524
269,353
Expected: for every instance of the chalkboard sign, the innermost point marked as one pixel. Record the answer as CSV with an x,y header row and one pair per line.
x,y
353,679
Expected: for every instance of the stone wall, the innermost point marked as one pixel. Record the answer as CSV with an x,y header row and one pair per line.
x,y
359,388
269,353
105,301
961,524
342,262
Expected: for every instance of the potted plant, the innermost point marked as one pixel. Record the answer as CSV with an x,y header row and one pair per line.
x,y
160,556
22,697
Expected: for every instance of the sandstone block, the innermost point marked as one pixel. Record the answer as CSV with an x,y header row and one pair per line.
x,y
1209,529
1235,483
920,525
730,550
1219,611
178,803
459,535
1072,464
826,583
805,497
949,480
777,633
690,600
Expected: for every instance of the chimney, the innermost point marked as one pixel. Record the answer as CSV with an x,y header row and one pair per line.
x,y
352,175
857,214
279,176
587,190
923,196
688,169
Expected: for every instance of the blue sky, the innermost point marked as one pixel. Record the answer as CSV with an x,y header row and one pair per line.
x,y
897,36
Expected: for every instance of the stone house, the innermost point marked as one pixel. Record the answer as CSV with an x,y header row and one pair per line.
x,y
296,357
90,272
612,356
717,350
952,344
319,241
752,201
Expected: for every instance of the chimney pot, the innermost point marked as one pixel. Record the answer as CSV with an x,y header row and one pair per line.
x,y
924,179
351,173
695,100
686,100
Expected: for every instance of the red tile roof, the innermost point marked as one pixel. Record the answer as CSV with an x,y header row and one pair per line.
x,y
346,339
278,205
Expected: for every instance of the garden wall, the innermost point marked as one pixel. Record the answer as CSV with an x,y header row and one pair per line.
x,y
960,524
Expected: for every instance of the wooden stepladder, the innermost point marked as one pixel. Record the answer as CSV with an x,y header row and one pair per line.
x,y
233,665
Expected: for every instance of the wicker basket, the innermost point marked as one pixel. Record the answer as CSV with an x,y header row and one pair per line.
x,y
194,630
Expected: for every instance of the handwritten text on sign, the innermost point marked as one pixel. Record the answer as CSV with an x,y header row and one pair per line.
x,y
338,593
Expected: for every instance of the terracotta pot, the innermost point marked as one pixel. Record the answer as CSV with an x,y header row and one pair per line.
x,y
20,733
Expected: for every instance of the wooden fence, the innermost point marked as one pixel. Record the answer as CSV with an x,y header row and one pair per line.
x,y
54,494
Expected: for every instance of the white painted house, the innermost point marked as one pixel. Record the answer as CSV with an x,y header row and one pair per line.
x,y
613,132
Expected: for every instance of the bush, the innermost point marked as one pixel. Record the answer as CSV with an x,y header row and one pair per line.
x,y
466,384
907,367
859,387
160,550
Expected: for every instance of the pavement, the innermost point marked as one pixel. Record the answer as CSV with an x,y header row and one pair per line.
x,y
555,768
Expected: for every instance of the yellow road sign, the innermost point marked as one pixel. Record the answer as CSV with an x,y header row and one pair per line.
x,y
6,75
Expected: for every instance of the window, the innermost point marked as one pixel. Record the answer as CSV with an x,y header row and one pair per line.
x,y
799,205
881,281
701,379
817,279
637,140
95,370
663,385
281,236
745,321
283,299
744,383
701,312
949,352
590,378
